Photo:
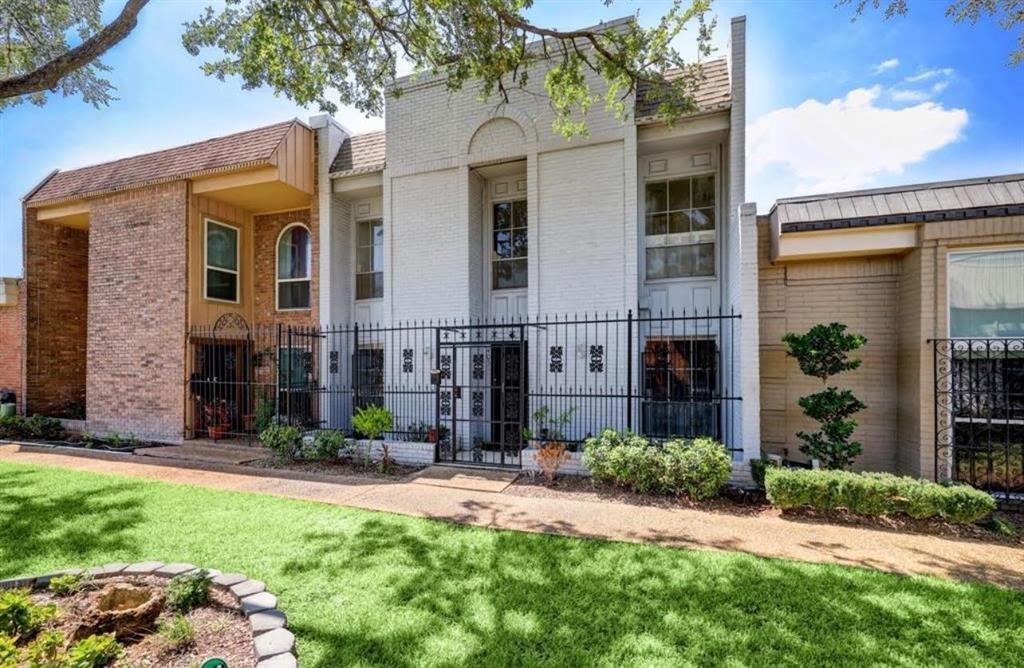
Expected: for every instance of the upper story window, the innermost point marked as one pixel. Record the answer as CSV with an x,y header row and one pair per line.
x,y
510,246
221,262
294,267
986,294
680,227
369,259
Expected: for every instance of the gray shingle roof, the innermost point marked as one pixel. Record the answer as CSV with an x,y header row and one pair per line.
x,y
360,154
713,92
234,150
967,198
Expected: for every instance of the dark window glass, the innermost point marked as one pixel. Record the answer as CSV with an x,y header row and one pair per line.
x,y
370,259
680,383
680,227
510,245
221,285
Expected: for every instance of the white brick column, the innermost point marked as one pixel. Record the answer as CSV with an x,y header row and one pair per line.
x,y
750,337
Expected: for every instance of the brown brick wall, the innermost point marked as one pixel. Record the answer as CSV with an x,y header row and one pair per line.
x,y
899,303
137,302
267,229
861,293
12,340
55,293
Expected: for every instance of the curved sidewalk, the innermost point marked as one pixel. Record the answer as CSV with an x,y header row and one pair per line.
x,y
765,535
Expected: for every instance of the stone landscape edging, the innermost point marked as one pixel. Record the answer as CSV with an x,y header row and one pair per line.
x,y
273,643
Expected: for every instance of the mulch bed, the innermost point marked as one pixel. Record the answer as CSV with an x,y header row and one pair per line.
x,y
752,503
341,469
221,628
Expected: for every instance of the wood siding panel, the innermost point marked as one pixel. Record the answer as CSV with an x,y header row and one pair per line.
x,y
203,311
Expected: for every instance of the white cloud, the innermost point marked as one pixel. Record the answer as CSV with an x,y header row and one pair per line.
x,y
886,65
848,142
931,74
917,94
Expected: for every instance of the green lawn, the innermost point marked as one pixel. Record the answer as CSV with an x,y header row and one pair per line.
x,y
363,588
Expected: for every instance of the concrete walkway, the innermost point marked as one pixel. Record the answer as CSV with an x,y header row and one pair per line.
x,y
765,534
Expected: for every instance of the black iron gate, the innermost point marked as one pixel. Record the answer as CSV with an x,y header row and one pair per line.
x,y
481,394
979,414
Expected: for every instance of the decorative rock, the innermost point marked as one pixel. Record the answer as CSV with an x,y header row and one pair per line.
x,y
248,588
143,567
272,643
228,579
266,620
258,602
279,661
170,570
44,580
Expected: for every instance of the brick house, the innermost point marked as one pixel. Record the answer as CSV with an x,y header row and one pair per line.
x,y
11,335
494,285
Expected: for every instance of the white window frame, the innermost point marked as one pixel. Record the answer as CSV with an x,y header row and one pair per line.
x,y
686,174
355,259
277,267
238,261
489,242
949,292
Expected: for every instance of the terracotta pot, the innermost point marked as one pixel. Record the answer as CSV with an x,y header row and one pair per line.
x,y
432,435
217,432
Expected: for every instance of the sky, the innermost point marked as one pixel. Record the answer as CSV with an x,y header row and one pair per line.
x,y
832,104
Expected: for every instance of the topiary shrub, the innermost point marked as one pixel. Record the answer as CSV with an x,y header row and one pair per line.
x,y
188,591
283,440
698,468
875,494
822,352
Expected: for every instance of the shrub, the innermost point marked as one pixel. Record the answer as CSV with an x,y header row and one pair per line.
x,y
822,353
37,426
283,440
20,617
326,445
373,422
757,469
875,494
93,652
177,633
698,468
188,591
550,457
65,585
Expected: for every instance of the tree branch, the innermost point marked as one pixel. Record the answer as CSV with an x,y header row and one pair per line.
x,y
48,75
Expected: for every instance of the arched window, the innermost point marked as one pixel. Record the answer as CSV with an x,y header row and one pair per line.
x,y
294,267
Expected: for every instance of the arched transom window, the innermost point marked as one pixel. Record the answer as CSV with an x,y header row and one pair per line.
x,y
294,267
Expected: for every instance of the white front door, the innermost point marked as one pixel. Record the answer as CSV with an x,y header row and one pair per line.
x,y
507,256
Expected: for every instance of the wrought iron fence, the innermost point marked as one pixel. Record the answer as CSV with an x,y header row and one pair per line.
x,y
479,390
979,414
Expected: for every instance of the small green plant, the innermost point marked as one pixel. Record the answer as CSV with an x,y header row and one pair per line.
x,y
263,418
327,445
46,650
373,422
188,591
1000,526
20,617
93,652
823,352
68,584
875,494
177,633
548,425
8,652
283,440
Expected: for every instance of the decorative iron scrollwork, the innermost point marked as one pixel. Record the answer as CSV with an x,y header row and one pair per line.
x,y
446,402
478,403
556,365
597,359
446,366
333,361
307,361
478,366
407,366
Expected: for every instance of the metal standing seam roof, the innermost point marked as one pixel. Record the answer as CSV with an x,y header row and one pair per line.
x,y
251,147
982,197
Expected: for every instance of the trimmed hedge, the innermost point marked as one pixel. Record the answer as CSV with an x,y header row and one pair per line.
x,y
875,494
698,468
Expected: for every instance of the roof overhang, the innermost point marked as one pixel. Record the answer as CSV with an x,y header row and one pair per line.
x,y
857,242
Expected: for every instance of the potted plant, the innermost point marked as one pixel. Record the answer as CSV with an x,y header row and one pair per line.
x,y
373,422
217,418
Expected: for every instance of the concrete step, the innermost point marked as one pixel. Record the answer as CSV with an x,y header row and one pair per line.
x,y
205,453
